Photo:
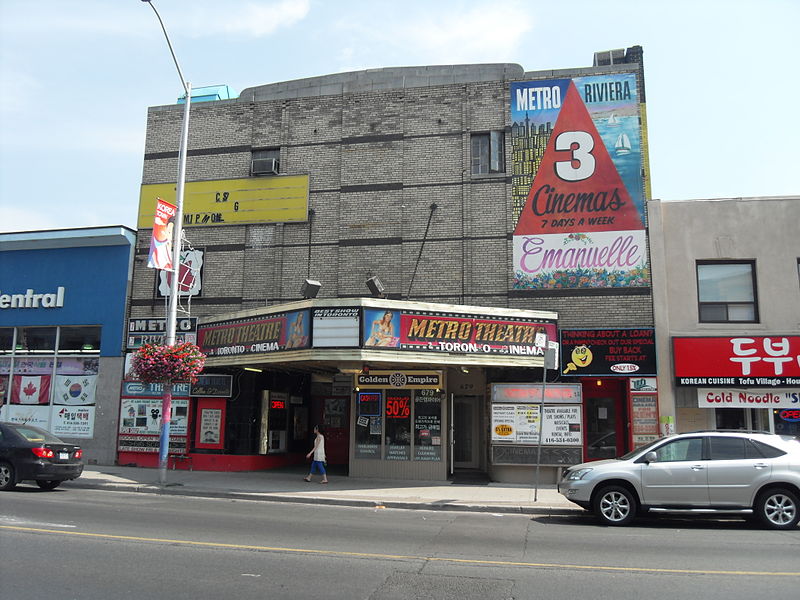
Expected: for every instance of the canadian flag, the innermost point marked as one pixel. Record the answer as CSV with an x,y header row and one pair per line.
x,y
30,389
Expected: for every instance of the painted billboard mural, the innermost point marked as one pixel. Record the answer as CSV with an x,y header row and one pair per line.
x,y
577,186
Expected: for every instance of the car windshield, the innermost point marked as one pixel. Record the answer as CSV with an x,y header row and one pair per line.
x,y
640,450
34,434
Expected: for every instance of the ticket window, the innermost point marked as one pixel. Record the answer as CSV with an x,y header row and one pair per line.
x,y
274,422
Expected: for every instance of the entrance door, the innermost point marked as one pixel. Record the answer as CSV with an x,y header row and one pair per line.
x,y
335,422
604,419
466,434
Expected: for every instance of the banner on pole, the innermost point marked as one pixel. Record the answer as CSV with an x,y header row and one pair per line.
x,y
161,241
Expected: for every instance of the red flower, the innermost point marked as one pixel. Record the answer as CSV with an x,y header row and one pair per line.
x,y
154,363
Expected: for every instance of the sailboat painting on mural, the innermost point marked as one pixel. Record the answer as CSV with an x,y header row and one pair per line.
x,y
578,145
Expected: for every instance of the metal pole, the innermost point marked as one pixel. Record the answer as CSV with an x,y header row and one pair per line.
x,y
541,419
452,434
172,308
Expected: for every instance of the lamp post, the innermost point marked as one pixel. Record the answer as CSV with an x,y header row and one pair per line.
x,y
172,308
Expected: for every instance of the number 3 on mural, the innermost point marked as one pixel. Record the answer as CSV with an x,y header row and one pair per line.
x,y
581,144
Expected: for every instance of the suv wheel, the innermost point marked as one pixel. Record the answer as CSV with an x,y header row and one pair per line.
x,y
615,505
778,508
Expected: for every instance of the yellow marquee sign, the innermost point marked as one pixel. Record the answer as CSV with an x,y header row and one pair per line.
x,y
279,199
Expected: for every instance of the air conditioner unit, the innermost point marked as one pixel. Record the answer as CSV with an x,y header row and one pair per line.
x,y
264,166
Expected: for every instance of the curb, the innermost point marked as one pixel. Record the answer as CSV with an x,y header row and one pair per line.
x,y
179,490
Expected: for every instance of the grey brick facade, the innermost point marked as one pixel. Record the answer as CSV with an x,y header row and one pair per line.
x,y
381,147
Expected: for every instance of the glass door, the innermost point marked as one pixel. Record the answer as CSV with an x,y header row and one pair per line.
x,y
465,431
604,419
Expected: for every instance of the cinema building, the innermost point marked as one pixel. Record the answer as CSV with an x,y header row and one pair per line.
x,y
434,263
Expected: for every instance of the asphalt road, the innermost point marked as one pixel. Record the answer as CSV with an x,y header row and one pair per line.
x,y
92,544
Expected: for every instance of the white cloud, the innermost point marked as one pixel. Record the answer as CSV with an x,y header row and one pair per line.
x,y
471,35
254,19
26,88
440,33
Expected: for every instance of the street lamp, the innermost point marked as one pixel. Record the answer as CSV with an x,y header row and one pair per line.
x,y
172,308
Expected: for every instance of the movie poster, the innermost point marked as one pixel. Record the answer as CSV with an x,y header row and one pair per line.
x,y
578,186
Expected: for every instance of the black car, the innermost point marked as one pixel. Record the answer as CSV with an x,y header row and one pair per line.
x,y
29,453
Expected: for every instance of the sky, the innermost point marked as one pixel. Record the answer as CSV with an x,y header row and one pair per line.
x,y
721,79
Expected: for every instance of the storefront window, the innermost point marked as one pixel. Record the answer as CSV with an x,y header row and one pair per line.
x,y
6,340
35,340
85,340
428,425
730,418
5,370
384,423
50,389
398,425
369,425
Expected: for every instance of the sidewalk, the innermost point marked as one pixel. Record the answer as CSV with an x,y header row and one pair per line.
x,y
288,486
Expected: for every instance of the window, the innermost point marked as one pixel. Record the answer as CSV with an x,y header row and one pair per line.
x,y
727,292
84,340
680,450
36,340
723,448
6,339
488,153
265,162
764,450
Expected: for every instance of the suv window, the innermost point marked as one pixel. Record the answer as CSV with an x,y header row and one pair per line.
x,y
679,450
727,448
764,450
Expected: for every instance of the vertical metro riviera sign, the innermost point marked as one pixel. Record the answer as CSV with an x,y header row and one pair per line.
x,y
577,143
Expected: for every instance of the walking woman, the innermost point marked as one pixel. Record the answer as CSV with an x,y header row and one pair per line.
x,y
318,460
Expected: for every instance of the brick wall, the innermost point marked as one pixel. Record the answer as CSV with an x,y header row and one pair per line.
x,y
377,162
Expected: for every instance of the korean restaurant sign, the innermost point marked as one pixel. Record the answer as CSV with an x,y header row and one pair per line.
x,y
454,333
578,191
256,335
739,398
608,352
746,361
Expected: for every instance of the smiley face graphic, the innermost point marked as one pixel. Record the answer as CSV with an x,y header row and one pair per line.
x,y
581,357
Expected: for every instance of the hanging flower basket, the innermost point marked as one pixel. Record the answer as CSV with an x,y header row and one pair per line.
x,y
155,363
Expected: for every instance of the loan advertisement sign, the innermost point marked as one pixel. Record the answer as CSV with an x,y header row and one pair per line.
x,y
578,186
608,352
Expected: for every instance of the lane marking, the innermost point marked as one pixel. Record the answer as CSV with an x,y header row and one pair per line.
x,y
468,561
6,519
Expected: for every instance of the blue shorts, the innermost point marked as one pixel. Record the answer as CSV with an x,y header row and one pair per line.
x,y
317,466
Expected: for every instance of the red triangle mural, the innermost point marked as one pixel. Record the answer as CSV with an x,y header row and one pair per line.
x,y
577,187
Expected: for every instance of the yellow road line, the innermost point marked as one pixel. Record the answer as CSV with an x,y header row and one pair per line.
x,y
469,561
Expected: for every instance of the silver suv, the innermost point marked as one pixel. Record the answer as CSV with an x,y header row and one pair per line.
x,y
725,471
